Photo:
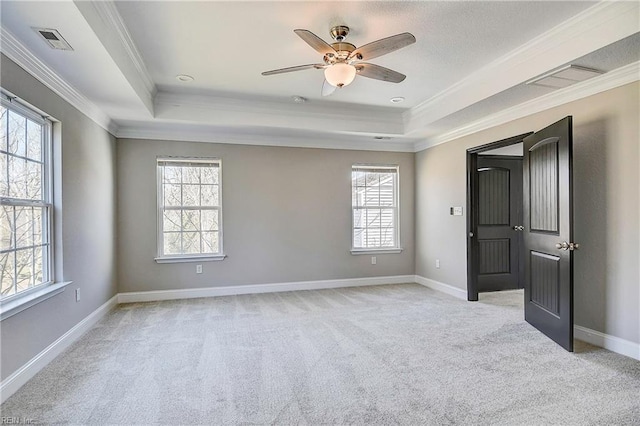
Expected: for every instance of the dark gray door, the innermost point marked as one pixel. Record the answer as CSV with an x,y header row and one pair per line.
x,y
548,232
499,222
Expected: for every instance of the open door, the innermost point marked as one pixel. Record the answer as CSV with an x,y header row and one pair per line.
x,y
473,216
548,232
499,225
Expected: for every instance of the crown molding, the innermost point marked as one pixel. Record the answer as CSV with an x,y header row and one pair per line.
x,y
270,105
109,13
201,114
600,25
107,24
225,111
18,53
190,134
616,78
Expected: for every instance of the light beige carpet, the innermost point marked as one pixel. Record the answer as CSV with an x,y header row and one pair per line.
x,y
398,354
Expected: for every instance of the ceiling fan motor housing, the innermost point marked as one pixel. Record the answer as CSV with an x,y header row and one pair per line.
x,y
339,32
343,50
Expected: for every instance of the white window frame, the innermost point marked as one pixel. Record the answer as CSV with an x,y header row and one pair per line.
x,y
203,257
381,250
22,300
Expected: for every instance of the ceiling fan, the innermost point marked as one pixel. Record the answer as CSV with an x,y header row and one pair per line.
x,y
342,60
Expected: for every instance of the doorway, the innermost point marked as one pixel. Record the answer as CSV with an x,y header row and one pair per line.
x,y
546,227
494,222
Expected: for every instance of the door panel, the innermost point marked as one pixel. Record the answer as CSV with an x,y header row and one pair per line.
x,y
545,280
495,256
493,196
548,221
543,164
499,207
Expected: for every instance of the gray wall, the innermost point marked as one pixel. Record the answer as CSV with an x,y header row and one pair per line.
x,y
86,222
287,216
606,205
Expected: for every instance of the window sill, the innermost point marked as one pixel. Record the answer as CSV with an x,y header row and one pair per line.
x,y
377,251
20,303
184,259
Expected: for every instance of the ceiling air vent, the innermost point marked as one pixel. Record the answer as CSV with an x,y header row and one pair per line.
x,y
565,76
53,38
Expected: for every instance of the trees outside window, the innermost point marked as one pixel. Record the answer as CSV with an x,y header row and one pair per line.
x,y
189,208
26,200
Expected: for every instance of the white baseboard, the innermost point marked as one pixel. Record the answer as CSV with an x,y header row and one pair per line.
x,y
16,380
596,338
445,288
21,376
191,293
612,343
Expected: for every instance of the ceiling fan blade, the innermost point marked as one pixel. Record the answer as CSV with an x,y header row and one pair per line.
x,y
316,42
297,68
382,46
327,88
379,73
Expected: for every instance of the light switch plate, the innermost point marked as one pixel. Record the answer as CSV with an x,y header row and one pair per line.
x,y
456,211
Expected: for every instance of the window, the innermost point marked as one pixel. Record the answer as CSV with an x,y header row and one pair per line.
x,y
26,200
189,209
374,192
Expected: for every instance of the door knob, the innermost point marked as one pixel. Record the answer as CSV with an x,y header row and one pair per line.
x,y
518,228
567,246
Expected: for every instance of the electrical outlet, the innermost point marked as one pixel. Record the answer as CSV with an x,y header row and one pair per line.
x,y
77,294
198,269
373,260
438,263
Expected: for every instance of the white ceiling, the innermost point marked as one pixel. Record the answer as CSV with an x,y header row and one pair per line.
x,y
470,59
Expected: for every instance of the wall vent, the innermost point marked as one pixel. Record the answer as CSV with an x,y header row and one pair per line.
x,y
53,38
565,76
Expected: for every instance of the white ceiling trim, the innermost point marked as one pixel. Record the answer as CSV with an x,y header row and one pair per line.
x,y
617,18
596,27
215,110
266,106
183,133
110,14
616,78
22,56
105,21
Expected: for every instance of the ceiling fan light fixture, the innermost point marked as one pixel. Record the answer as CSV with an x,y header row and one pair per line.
x,y
340,74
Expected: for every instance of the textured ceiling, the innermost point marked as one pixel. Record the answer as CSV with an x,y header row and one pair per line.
x,y
606,59
226,45
470,60
89,68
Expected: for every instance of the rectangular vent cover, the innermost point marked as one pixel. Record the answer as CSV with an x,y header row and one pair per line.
x,y
53,38
565,76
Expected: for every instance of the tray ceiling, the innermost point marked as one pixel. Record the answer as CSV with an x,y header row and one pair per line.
x,y
469,57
